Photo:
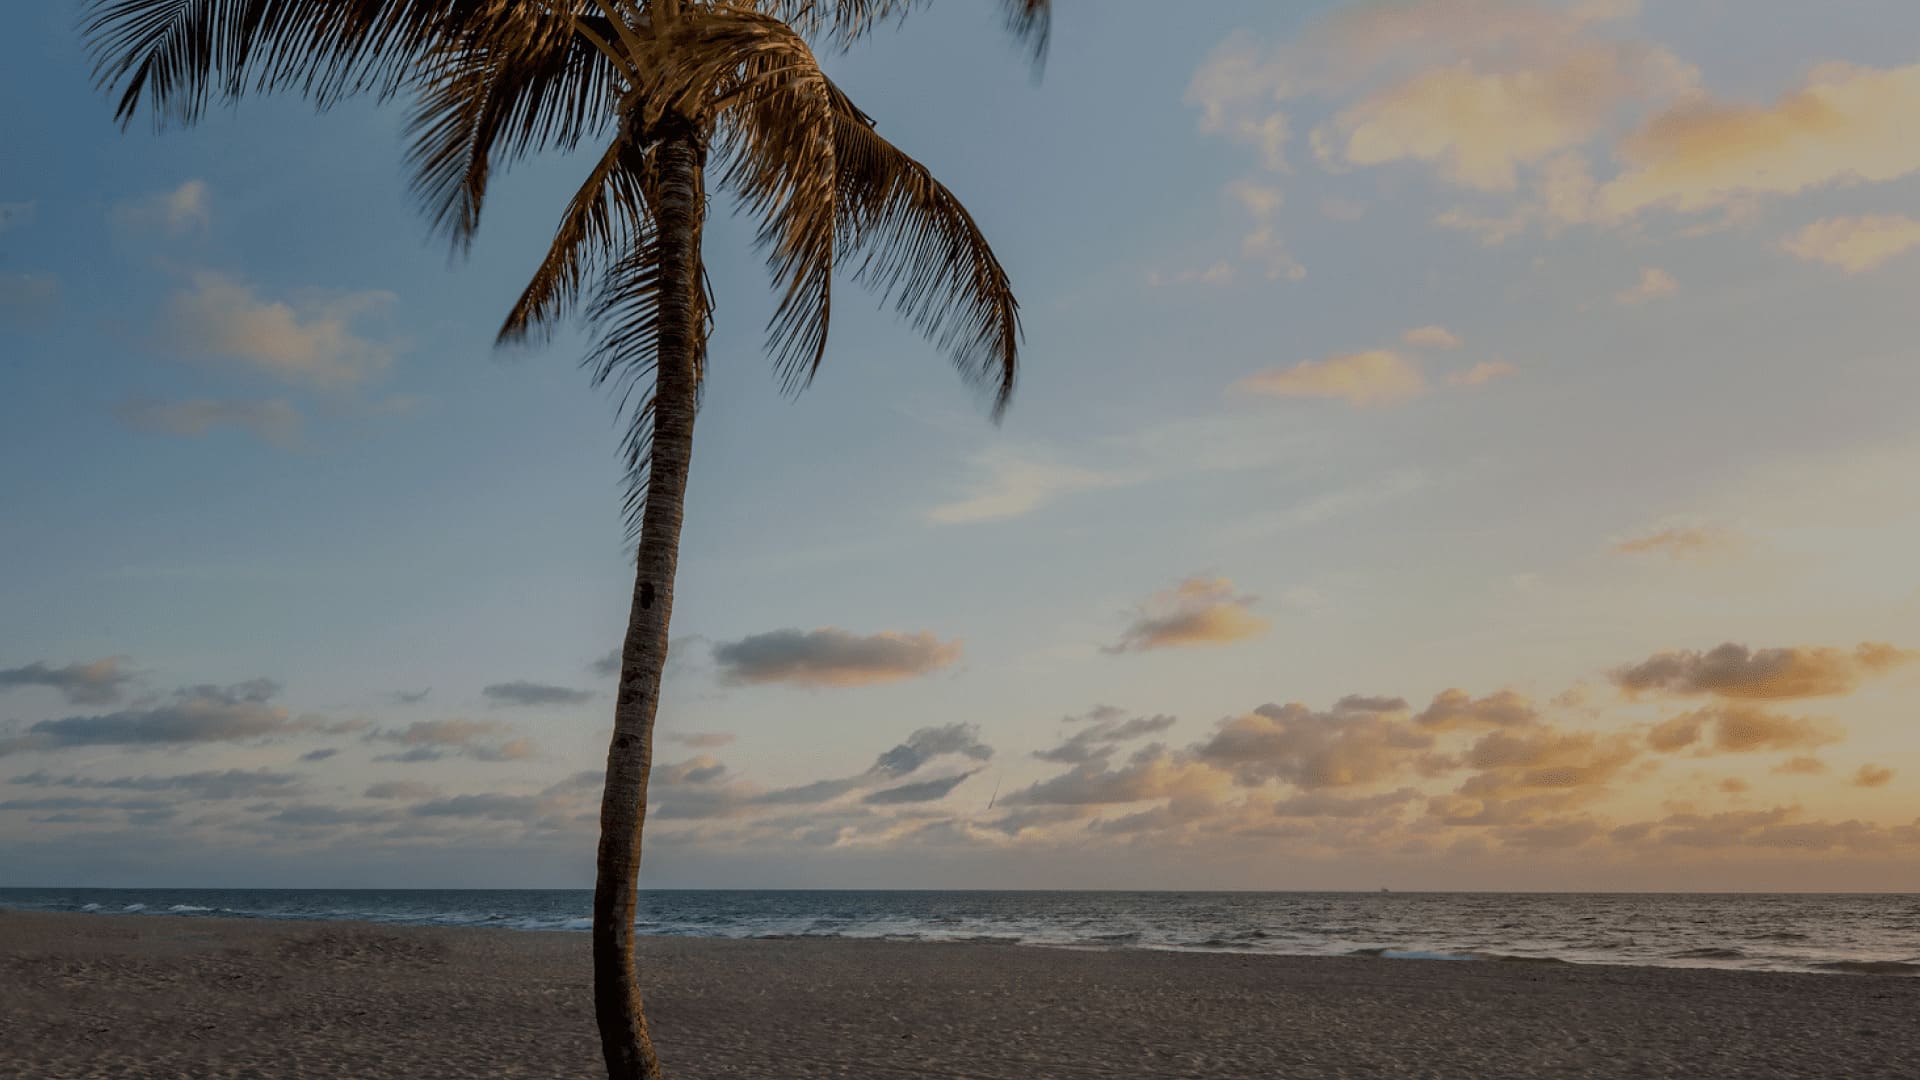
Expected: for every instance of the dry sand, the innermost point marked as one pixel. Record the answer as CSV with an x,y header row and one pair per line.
x,y
131,996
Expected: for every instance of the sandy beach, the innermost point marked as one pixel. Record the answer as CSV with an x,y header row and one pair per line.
x,y
88,996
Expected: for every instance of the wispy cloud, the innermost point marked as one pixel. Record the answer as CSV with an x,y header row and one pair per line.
x,y
1855,244
310,340
1198,611
1362,379
181,210
1432,337
1014,484
275,420
1681,542
1654,284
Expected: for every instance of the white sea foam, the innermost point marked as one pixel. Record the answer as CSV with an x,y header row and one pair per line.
x,y
186,908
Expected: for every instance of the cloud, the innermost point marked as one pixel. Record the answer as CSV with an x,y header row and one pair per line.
x,y
274,421
1324,804
609,665
99,682
1543,760
831,657
1294,744
1376,377
182,210
309,341
229,784
432,740
930,743
1801,766
1152,772
1482,373
921,748
1238,90
1479,120
1654,284
410,697
320,816
921,792
1262,244
1735,671
1855,244
1848,124
534,694
1871,776
1432,337
14,214
1681,542
321,754
1740,729
1457,710
1015,485
1198,611
195,715
1100,738
401,789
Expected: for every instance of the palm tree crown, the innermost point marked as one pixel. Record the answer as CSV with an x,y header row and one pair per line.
x,y
494,81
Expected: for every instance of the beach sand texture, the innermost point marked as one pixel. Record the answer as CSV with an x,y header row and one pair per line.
x,y
90,996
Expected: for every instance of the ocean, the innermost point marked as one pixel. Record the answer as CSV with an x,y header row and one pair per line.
x,y
1841,934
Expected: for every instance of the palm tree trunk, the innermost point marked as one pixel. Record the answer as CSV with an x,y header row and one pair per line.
x,y
623,808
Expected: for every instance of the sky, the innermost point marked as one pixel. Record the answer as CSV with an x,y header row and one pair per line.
x,y
1460,444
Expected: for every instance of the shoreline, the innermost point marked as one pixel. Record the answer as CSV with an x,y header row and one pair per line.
x,y
156,995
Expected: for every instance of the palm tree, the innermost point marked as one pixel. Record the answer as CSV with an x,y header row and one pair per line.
x,y
656,85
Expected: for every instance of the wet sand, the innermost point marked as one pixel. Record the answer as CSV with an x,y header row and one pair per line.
x,y
88,996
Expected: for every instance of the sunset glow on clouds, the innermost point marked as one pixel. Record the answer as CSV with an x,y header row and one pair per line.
x,y
1460,444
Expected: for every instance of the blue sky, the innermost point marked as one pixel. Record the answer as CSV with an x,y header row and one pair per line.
x,y
1372,349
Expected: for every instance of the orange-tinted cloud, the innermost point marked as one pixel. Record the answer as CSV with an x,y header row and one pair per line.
x,y
1376,377
1479,122
1736,671
1198,611
1680,542
1739,729
1432,337
1855,244
1453,710
1296,745
1848,124
1872,776
1801,766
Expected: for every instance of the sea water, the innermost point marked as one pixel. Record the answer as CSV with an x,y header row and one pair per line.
x,y
1856,933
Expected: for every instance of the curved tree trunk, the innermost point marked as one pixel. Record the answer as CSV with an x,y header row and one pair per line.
x,y
623,808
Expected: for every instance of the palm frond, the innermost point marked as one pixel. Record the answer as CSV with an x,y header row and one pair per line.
x,y
492,95
775,112
175,56
610,213
843,22
920,248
